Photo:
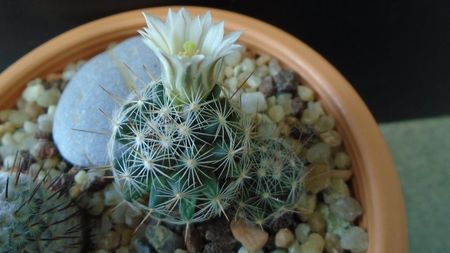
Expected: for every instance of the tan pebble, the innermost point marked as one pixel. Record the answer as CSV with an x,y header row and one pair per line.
x,y
316,222
284,238
342,174
314,244
276,113
324,123
180,251
33,110
122,250
305,205
305,93
18,118
7,127
317,178
125,237
75,191
51,163
262,59
253,238
4,115
331,138
342,160
109,241
284,129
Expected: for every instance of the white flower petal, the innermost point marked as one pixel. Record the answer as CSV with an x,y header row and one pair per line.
x,y
189,49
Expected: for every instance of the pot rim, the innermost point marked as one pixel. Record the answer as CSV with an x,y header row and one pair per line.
x,y
375,183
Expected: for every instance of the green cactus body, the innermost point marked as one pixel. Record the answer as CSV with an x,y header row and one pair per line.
x,y
178,159
271,182
36,218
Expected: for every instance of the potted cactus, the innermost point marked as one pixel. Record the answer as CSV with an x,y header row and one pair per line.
x,y
197,138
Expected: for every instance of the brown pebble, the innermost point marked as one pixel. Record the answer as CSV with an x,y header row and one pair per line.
x,y
318,177
193,240
284,238
297,106
285,81
253,238
267,87
316,223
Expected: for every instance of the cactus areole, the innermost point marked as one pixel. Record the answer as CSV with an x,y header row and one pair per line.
x,y
183,150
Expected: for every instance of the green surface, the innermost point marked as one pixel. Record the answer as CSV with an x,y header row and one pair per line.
x,y
421,151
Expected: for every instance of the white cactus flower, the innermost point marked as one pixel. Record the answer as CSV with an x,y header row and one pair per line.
x,y
189,49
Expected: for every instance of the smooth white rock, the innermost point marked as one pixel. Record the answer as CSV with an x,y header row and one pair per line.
x,y
253,102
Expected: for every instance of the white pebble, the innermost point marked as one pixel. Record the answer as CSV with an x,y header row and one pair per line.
x,y
254,81
28,143
33,92
266,127
274,67
81,177
45,123
233,58
285,100
51,110
18,118
232,84
253,102
112,196
305,93
49,97
228,71
262,71
19,136
263,59
8,139
30,127
248,65
276,113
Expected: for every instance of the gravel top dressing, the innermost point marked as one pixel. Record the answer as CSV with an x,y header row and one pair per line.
x,y
325,214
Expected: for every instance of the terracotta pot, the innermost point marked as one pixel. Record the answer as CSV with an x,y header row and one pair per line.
x,y
375,181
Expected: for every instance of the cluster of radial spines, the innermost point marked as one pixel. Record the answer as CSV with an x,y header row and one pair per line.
x,y
37,216
183,156
271,182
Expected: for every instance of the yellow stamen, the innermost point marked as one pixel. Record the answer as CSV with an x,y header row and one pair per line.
x,y
189,49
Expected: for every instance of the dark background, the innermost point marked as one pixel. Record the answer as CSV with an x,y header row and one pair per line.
x,y
395,53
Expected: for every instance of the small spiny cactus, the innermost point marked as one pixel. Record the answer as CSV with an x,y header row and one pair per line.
x,y
36,215
181,157
270,182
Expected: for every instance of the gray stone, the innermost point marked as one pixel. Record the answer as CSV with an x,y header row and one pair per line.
x,y
140,245
346,208
163,239
355,239
81,131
